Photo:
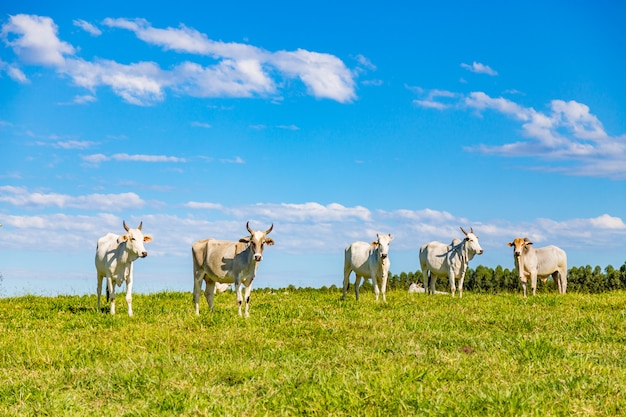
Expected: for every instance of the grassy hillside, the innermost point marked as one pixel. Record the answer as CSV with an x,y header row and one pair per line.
x,y
308,353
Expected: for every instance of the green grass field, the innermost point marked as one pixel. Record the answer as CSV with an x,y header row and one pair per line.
x,y
306,352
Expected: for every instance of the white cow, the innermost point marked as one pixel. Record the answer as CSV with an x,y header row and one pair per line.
x,y
440,260
223,261
115,255
540,262
368,260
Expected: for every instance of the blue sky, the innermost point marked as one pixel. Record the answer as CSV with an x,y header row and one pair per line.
x,y
332,121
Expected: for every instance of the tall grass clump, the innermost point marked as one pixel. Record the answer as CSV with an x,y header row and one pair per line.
x,y
306,352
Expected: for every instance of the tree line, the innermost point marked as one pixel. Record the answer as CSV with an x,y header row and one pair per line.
x,y
490,280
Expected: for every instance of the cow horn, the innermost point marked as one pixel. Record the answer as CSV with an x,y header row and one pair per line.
x,y
140,224
471,230
124,223
248,227
464,232
270,229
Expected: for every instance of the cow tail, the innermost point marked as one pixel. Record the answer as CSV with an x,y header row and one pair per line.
x,y
108,295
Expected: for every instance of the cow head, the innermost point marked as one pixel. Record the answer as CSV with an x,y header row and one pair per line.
x,y
382,244
471,242
257,240
134,239
519,245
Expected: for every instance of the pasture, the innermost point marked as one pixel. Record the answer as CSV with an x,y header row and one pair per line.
x,y
306,352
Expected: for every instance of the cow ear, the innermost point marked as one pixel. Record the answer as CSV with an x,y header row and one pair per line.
x,y
374,243
510,244
147,238
269,241
390,237
122,238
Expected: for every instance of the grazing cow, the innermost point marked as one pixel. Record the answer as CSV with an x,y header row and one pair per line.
x,y
440,260
223,261
115,255
368,261
539,262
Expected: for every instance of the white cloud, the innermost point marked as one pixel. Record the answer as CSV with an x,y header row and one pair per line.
x,y
288,127
435,99
479,68
567,138
124,157
203,206
37,41
21,197
86,98
325,75
241,71
201,124
235,160
140,84
68,144
87,27
16,74
302,229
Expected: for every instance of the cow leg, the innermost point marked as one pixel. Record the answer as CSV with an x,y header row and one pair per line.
x,y
129,294
533,282
426,281
247,297
383,288
209,293
239,296
461,279
111,293
346,282
357,284
99,289
563,279
376,283
451,277
197,289
432,283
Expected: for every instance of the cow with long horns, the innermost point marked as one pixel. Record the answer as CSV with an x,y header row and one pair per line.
x,y
115,255
223,261
440,260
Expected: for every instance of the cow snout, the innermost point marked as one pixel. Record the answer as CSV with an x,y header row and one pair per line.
x,y
144,254
480,252
258,257
383,255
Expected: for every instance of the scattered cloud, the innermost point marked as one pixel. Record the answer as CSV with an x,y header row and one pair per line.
x,y
16,74
235,160
87,27
437,99
200,124
241,70
310,228
124,157
34,40
23,198
68,144
566,138
288,127
84,99
479,68
203,206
